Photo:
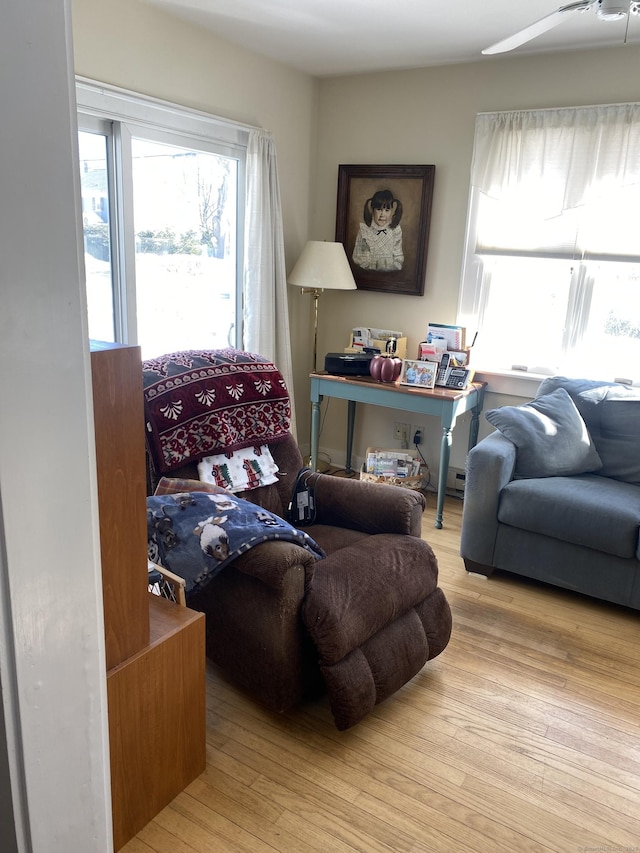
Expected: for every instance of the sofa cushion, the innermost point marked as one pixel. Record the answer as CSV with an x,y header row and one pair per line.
x,y
612,414
551,436
587,510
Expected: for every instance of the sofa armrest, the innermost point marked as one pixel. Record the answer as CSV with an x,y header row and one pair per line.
x,y
490,466
368,507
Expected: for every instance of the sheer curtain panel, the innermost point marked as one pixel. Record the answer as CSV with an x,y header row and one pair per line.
x,y
266,310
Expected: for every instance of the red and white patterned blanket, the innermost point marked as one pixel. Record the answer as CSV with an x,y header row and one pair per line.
x,y
202,402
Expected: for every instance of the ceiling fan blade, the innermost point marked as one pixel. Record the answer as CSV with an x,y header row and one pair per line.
x,y
536,29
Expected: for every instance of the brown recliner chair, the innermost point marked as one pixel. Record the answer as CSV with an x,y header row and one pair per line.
x,y
358,624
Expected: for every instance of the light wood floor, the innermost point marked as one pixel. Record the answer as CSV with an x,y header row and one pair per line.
x,y
522,736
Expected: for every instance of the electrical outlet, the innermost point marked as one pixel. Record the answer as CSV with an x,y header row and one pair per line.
x,y
401,432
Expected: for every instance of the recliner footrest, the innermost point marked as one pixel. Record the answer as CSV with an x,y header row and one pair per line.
x,y
376,615
358,590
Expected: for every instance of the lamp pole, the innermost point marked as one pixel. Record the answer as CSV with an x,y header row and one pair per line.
x,y
321,266
315,293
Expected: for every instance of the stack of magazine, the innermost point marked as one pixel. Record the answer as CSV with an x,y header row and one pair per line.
x,y
391,464
395,467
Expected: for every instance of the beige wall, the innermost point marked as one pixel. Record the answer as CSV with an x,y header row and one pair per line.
x,y
427,116
416,116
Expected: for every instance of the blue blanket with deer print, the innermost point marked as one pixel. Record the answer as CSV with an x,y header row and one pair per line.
x,y
196,534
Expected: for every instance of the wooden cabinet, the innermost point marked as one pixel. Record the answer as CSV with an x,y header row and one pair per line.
x,y
155,649
157,718
119,429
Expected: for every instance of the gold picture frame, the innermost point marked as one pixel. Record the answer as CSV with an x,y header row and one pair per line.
x,y
391,258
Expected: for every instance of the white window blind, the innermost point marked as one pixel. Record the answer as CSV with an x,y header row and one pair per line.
x,y
552,258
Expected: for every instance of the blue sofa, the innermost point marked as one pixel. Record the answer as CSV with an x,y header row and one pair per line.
x,y
554,493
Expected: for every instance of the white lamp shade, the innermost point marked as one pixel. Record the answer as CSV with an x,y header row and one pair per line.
x,y
323,266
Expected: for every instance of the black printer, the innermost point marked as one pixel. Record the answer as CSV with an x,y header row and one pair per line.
x,y
348,363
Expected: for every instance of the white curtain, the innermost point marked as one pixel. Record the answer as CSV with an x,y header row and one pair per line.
x,y
553,214
266,310
567,156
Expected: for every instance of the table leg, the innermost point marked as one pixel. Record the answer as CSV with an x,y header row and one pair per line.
x,y
475,418
445,453
351,420
315,434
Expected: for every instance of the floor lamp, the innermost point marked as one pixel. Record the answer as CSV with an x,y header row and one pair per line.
x,y
321,266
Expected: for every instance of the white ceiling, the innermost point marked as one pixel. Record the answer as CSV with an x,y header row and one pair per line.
x,y
333,37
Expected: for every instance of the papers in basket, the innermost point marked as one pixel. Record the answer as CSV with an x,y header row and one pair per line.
x,y
391,463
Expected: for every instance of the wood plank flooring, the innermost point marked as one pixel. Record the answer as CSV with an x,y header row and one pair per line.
x,y
522,736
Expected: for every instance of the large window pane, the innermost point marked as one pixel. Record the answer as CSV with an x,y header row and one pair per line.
x,y
184,204
525,331
610,346
163,221
97,245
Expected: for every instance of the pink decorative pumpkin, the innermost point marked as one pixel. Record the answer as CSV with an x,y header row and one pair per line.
x,y
385,369
375,366
391,369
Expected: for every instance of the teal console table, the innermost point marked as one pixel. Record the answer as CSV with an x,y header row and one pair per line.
x,y
445,403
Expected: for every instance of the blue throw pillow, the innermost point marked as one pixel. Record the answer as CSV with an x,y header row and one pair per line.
x,y
612,414
550,434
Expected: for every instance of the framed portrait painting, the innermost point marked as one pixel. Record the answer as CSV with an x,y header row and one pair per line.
x,y
382,219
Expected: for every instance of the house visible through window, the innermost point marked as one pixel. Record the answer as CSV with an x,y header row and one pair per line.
x,y
163,223
551,278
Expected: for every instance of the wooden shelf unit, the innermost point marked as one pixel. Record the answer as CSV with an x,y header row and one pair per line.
x,y
155,649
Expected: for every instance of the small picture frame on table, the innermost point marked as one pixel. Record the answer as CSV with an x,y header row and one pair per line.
x,y
418,374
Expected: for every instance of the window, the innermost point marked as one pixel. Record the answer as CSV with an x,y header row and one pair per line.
x,y
163,219
94,177
551,279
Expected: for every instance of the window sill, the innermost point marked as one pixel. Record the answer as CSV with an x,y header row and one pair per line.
x,y
514,383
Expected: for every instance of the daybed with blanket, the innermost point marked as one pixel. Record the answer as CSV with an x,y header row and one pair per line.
x,y
554,493
343,597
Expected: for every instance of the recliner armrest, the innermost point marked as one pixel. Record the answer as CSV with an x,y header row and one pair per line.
x,y
490,466
273,561
369,507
